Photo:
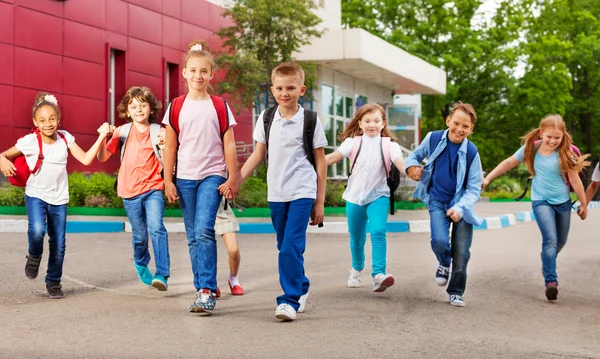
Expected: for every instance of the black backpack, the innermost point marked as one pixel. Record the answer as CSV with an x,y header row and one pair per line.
x,y
310,123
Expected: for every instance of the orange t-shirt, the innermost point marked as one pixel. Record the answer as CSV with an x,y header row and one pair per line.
x,y
140,169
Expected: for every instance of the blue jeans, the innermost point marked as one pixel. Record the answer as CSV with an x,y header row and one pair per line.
x,y
199,201
375,214
40,214
290,220
145,213
554,221
454,249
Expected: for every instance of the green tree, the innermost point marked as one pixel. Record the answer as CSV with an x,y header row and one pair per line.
x,y
264,33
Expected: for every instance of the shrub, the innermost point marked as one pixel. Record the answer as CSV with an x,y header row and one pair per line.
x,y
11,195
333,193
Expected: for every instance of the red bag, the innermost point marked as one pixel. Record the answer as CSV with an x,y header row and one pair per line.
x,y
23,172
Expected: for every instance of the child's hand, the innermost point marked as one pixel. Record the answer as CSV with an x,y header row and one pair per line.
x,y
318,214
7,168
230,188
415,172
454,215
105,129
171,192
582,212
226,191
485,183
161,138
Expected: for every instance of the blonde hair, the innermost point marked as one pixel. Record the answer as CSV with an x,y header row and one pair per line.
x,y
203,51
41,101
567,159
466,108
288,69
142,94
353,128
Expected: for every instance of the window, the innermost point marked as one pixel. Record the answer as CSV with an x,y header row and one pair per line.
x,y
172,76
116,87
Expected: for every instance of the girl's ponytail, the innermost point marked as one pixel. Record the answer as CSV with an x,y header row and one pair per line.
x,y
529,141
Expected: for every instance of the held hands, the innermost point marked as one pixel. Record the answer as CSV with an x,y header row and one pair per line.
x,y
318,214
582,212
171,192
7,168
415,173
230,188
106,129
485,183
454,215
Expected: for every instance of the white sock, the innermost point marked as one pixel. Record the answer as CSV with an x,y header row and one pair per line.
x,y
233,280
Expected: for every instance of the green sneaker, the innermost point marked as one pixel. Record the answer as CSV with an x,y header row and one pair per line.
x,y
144,274
159,282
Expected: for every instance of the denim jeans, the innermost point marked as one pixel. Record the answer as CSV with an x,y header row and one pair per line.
x,y
453,250
199,201
375,214
145,213
290,220
554,221
40,214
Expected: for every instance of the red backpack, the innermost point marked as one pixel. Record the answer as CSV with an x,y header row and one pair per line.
x,y
219,104
23,171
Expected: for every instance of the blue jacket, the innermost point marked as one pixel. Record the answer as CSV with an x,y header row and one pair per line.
x,y
464,199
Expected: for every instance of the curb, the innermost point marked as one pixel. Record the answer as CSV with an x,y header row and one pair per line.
x,y
415,226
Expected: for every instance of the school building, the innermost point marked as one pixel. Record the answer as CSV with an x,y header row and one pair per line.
x,y
88,52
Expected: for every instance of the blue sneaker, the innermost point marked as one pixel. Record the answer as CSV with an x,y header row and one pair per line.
x,y
441,275
159,282
144,274
205,301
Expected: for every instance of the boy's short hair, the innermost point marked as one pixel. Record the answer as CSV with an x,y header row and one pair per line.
x,y
466,108
288,69
142,94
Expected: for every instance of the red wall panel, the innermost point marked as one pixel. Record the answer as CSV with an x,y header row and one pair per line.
x,y
155,83
84,42
23,104
171,32
6,107
154,5
144,57
38,31
145,24
85,142
172,8
116,41
84,78
82,115
215,20
7,69
91,12
7,23
191,32
49,7
116,16
195,12
8,138
38,70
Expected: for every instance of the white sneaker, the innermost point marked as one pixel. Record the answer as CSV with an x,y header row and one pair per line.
x,y
354,279
285,312
441,275
382,282
456,300
302,302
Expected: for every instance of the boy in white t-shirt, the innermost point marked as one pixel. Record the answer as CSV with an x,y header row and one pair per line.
x,y
296,189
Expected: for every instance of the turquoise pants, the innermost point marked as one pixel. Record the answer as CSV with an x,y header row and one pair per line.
x,y
374,217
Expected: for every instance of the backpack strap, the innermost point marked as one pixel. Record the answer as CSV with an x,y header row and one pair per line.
x,y
268,117
310,124
220,106
154,129
471,153
385,153
123,135
64,139
41,153
174,111
154,132
356,146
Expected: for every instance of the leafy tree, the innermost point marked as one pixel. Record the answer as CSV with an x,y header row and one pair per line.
x,y
264,33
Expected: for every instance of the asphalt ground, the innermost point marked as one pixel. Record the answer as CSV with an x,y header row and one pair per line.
x,y
108,313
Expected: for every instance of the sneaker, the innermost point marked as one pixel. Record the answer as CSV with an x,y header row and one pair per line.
x,y
55,290
218,293
32,266
456,300
354,279
302,301
161,283
551,291
285,312
205,301
382,282
236,289
441,275
144,274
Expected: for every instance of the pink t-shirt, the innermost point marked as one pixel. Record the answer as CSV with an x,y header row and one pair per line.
x,y
200,151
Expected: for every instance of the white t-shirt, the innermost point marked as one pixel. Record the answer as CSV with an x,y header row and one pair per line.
x,y
200,151
596,174
290,175
368,180
50,183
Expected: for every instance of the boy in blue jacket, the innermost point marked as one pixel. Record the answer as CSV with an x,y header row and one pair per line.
x,y
450,184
